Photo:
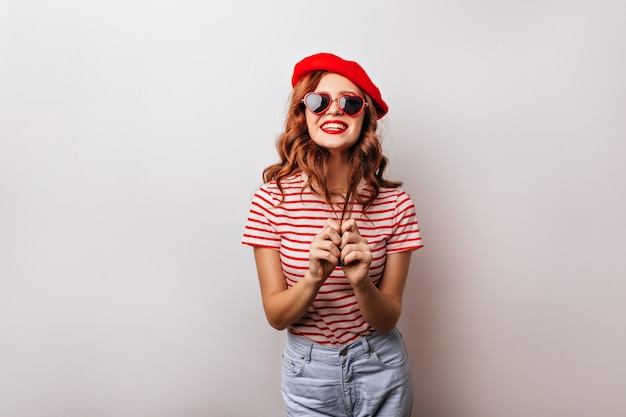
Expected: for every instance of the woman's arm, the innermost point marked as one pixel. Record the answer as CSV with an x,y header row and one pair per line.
x,y
283,306
381,306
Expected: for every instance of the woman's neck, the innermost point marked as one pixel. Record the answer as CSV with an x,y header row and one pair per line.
x,y
337,175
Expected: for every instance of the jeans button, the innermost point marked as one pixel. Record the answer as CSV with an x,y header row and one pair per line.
x,y
343,352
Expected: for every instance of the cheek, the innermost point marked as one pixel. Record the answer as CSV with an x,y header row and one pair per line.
x,y
357,128
309,123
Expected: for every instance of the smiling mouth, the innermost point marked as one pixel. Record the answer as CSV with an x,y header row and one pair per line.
x,y
333,127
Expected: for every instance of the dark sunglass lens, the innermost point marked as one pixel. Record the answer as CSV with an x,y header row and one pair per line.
x,y
317,103
351,104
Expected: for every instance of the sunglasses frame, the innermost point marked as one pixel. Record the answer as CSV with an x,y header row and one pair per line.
x,y
330,103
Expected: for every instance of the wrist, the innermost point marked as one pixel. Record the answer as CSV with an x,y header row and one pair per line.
x,y
363,285
311,281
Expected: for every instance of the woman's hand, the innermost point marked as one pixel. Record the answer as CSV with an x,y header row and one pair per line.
x,y
356,254
324,252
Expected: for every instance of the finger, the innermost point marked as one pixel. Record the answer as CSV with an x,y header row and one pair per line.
x,y
327,233
333,224
349,226
356,253
346,229
352,235
320,248
332,231
323,256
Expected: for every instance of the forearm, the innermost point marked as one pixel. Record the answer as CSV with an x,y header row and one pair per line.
x,y
379,310
285,307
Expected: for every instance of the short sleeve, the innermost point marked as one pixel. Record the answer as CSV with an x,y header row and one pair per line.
x,y
405,231
260,227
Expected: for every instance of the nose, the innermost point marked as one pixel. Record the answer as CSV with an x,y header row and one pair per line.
x,y
334,107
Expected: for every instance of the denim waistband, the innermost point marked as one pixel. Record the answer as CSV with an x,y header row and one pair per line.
x,y
364,346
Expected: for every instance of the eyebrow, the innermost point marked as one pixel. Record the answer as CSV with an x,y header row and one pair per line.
x,y
341,92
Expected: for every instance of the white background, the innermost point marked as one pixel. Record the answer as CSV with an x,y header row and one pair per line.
x,y
133,134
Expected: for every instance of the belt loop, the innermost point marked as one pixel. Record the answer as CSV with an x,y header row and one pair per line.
x,y
309,351
366,346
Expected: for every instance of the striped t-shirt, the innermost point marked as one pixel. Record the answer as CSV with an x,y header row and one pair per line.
x,y
389,225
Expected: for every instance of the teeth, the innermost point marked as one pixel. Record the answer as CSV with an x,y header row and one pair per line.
x,y
334,126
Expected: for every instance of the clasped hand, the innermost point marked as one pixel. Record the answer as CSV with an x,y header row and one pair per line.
x,y
340,244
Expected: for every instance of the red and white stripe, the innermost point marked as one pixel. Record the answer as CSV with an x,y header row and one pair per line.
x,y
389,225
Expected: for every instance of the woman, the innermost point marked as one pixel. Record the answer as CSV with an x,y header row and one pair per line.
x,y
332,243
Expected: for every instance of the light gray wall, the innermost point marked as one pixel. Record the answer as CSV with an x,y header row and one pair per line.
x,y
133,134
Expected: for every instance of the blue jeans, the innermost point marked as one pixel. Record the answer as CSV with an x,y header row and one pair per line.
x,y
369,377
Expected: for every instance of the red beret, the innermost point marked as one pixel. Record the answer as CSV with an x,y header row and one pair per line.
x,y
349,69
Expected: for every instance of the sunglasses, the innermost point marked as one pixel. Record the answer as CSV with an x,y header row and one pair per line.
x,y
350,104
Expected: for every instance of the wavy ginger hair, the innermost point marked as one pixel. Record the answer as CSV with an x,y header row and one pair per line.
x,y
299,153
